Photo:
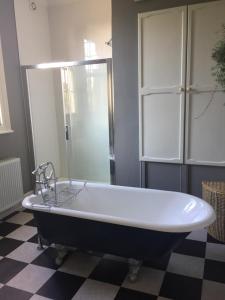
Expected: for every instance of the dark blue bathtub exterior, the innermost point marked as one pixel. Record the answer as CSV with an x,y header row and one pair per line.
x,y
130,242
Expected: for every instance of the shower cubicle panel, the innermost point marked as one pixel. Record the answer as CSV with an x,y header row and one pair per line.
x,y
88,108
71,111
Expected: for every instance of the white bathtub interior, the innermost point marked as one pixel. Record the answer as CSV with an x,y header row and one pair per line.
x,y
142,208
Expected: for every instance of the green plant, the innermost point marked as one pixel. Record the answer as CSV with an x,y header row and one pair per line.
x,y
218,71
218,55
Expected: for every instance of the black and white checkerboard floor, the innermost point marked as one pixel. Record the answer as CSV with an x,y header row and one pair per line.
x,y
196,270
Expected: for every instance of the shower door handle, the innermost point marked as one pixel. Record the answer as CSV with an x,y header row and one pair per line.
x,y
67,133
112,168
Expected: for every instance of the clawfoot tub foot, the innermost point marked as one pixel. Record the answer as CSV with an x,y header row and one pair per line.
x,y
40,243
61,253
134,267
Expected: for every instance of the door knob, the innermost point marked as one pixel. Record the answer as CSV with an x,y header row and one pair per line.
x,y
189,89
181,89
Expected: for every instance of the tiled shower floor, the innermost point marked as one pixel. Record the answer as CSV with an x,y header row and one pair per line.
x,y
196,270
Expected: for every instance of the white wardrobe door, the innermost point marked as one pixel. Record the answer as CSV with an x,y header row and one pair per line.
x,y
205,134
162,41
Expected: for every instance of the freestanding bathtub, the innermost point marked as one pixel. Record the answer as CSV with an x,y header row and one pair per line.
x,y
132,222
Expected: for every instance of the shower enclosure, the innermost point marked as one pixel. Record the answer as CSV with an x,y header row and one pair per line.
x,y
70,108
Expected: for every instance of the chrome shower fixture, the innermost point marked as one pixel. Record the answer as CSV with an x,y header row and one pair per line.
x,y
47,188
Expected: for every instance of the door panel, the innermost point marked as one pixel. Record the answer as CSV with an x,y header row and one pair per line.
x,y
205,24
206,129
162,57
205,121
162,33
86,102
163,141
43,114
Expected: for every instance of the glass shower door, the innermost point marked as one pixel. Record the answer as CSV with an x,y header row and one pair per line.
x,y
87,107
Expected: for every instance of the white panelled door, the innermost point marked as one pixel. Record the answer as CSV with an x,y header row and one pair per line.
x,y
162,58
205,122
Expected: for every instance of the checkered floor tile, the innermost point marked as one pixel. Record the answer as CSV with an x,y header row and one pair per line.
x,y
195,270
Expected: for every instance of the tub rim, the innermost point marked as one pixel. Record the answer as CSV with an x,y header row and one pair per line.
x,y
208,218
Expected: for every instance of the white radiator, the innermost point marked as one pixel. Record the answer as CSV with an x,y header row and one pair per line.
x,y
11,187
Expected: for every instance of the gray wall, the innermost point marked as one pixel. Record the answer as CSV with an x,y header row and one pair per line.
x,y
13,144
125,67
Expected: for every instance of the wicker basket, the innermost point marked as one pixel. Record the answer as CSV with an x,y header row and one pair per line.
x,y
214,193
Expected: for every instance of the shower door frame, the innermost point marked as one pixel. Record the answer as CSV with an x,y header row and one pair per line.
x,y
60,65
